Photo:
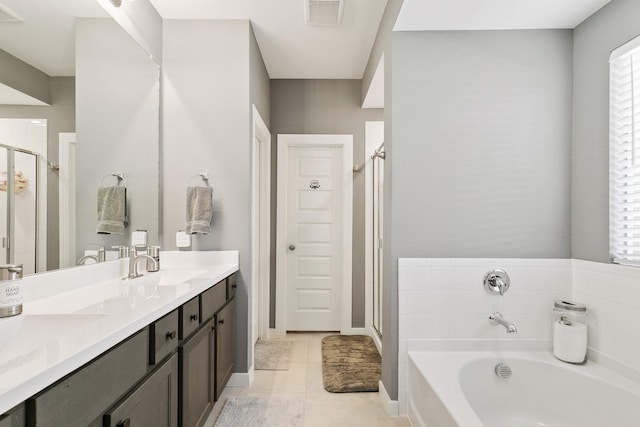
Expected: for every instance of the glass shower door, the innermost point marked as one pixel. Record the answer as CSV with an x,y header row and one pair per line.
x,y
18,207
4,200
25,212
378,206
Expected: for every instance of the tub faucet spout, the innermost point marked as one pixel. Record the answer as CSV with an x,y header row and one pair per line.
x,y
497,319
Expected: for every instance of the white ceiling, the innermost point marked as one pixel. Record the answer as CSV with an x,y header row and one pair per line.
x,y
417,15
291,49
46,38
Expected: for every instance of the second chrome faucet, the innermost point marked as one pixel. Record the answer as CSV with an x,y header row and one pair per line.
x,y
134,258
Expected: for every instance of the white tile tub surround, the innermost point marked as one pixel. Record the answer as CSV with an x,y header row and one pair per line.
x,y
443,305
612,295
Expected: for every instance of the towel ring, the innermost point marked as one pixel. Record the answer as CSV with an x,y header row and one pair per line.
x,y
119,176
202,175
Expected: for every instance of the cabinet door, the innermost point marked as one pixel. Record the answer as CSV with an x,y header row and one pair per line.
x,y
154,403
14,418
196,365
225,345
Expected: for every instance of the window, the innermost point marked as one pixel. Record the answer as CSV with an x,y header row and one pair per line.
x,y
624,154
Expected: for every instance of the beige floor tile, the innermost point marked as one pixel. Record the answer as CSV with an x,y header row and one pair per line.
x,y
304,379
314,377
300,350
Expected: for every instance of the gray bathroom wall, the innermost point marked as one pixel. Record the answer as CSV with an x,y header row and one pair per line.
x,y
594,39
381,42
117,122
323,107
260,85
479,156
61,117
206,114
23,77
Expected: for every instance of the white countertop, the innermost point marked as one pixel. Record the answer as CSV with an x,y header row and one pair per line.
x,y
72,316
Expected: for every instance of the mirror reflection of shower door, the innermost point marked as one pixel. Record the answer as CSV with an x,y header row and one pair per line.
x,y
25,213
4,220
18,207
378,205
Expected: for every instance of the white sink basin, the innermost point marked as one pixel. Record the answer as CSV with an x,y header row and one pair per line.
x,y
166,277
25,331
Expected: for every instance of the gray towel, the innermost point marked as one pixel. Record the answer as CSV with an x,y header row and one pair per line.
x,y
199,209
112,207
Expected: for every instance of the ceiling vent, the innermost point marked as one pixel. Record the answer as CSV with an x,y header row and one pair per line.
x,y
323,12
6,15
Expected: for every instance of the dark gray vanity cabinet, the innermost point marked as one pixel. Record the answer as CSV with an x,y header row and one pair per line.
x,y
14,418
225,348
196,369
168,374
153,403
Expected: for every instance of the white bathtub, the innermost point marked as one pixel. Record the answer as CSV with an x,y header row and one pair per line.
x,y
462,389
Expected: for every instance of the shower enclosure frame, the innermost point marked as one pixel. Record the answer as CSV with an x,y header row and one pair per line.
x,y
9,241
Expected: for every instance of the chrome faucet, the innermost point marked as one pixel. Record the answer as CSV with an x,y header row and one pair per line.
x,y
497,319
134,258
100,257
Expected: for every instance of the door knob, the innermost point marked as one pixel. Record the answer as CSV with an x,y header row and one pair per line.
x,y
292,247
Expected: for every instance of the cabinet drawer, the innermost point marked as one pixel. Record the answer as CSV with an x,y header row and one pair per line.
x,y
85,394
163,337
213,299
152,403
232,284
189,318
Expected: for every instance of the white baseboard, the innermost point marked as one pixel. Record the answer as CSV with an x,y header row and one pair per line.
x,y
390,406
241,379
376,339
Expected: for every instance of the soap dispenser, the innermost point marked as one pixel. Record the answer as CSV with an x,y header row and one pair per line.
x,y
153,252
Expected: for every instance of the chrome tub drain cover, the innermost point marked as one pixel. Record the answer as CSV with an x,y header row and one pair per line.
x,y
503,370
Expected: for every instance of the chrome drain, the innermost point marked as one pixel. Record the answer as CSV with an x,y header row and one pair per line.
x,y
503,370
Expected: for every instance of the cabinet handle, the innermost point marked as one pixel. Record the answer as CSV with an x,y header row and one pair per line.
x,y
171,335
194,317
125,423
221,321
235,285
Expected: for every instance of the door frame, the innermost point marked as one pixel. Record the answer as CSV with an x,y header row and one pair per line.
x,y
261,231
284,142
67,199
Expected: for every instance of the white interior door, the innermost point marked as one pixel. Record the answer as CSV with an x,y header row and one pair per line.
x,y
315,195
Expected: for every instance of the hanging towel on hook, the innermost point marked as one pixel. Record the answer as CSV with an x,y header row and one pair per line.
x,y
112,208
199,210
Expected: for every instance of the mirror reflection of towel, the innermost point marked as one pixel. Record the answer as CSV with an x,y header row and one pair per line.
x,y
199,210
112,207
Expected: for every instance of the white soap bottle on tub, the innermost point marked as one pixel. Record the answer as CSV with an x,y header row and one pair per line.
x,y
570,331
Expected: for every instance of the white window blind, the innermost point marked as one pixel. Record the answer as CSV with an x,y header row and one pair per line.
x,y
624,156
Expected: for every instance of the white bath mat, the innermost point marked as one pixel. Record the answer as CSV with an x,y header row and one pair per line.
x,y
272,355
261,412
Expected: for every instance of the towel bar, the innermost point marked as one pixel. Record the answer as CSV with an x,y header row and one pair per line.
x,y
120,177
203,175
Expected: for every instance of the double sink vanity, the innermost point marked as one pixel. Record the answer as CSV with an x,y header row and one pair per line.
x,y
94,349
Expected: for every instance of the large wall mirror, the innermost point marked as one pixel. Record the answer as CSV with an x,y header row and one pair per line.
x,y
79,110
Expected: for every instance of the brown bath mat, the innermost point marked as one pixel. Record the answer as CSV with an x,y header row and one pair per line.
x,y
350,363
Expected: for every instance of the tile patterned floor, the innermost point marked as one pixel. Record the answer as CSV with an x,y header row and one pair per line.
x,y
304,379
